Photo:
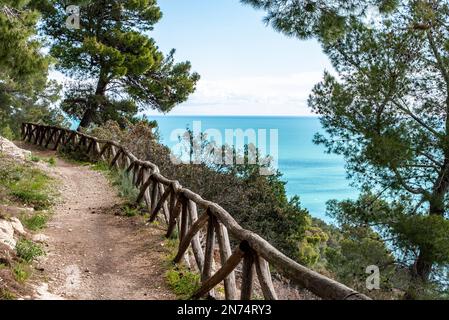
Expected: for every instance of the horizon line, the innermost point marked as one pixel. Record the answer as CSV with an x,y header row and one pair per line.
x,y
231,115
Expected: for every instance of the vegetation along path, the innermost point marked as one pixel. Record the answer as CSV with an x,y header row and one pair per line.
x,y
93,253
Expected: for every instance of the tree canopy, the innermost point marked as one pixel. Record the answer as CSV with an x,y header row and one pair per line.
x,y
326,20
24,90
385,108
118,68
388,114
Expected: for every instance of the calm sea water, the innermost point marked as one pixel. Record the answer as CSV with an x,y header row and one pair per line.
x,y
313,175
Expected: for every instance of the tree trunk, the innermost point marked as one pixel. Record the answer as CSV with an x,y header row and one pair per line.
x,y
92,105
87,118
420,273
422,267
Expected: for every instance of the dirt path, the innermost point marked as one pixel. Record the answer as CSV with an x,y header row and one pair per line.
x,y
94,254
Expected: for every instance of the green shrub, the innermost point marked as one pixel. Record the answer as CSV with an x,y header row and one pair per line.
x,y
184,283
7,133
21,272
35,222
35,158
51,161
5,294
123,182
31,187
25,184
74,153
28,250
33,197
175,234
101,166
129,211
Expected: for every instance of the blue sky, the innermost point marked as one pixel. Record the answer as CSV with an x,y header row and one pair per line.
x,y
246,67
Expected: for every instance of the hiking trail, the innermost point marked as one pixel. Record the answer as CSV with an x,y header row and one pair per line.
x,y
93,253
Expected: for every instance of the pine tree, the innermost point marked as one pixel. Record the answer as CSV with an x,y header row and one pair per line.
x,y
326,20
387,112
24,91
118,68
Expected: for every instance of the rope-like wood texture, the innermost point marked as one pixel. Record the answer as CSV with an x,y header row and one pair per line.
x,y
189,214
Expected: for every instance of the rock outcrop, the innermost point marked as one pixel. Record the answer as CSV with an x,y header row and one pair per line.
x,y
7,234
10,227
10,230
10,149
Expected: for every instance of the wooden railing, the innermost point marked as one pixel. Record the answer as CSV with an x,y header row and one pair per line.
x,y
180,208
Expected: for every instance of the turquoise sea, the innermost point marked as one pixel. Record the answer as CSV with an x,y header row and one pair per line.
x,y
310,173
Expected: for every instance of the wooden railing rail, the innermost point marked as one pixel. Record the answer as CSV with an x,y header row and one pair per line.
x,y
180,207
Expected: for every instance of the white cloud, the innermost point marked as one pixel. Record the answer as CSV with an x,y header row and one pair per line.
x,y
266,95
252,95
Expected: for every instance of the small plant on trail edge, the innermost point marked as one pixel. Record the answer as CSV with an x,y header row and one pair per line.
x,y
5,294
174,235
119,179
182,281
100,166
21,272
51,161
126,190
34,222
74,154
30,196
26,185
28,250
129,211
35,158
125,186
